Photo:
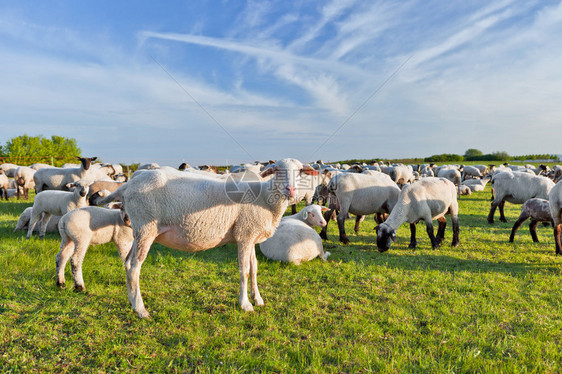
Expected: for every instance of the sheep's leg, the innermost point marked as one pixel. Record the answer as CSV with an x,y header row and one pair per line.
x,y
429,229
413,241
522,218
441,229
32,222
66,250
294,209
136,257
493,195
493,207
358,220
244,265
341,226
76,264
327,216
5,193
254,278
502,216
43,224
558,238
533,229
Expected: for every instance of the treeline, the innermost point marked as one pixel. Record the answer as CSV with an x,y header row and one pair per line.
x,y
496,156
26,150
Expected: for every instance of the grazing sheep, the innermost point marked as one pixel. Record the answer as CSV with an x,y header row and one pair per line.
x,y
450,173
360,194
187,212
428,199
555,202
295,240
57,203
4,184
8,169
87,226
471,172
24,181
59,178
464,190
25,217
536,209
516,188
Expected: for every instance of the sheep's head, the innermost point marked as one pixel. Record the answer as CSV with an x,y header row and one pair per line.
x,y
80,187
287,172
385,236
312,214
86,161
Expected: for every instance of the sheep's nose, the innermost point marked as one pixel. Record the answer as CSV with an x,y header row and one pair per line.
x,y
291,191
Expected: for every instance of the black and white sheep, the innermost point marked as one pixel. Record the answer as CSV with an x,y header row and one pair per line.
x,y
59,178
428,199
295,239
536,209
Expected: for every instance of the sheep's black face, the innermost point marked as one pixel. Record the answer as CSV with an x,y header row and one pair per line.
x,y
385,237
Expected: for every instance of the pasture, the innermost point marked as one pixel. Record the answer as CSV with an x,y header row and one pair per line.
x,y
486,306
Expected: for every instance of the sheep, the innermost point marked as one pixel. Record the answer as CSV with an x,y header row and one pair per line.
x,y
99,185
24,181
58,203
59,178
555,202
8,169
188,212
429,198
295,239
464,190
39,165
360,194
4,184
483,169
306,187
469,172
536,209
25,217
477,184
87,226
450,173
516,188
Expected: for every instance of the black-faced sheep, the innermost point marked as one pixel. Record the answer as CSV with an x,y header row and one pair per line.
x,y
536,209
59,178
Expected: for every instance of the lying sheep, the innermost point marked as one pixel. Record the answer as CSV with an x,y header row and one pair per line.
x,y
428,199
555,202
477,184
25,217
536,209
87,226
58,203
516,188
295,240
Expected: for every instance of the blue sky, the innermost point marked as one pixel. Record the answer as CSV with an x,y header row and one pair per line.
x,y
233,81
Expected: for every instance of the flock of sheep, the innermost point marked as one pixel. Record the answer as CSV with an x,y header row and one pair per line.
x,y
197,209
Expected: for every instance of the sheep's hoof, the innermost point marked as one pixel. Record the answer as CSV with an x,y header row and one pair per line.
x,y
61,285
344,240
259,302
143,314
412,245
503,220
455,244
79,288
247,306
490,221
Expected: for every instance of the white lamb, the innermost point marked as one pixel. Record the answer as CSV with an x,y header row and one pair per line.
x,y
428,199
87,226
58,203
25,217
295,240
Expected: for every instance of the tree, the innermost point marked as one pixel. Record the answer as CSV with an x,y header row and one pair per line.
x,y
27,149
472,152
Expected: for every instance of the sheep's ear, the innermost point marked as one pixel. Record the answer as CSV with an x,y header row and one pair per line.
x,y
115,205
377,228
93,159
70,186
308,170
324,209
267,172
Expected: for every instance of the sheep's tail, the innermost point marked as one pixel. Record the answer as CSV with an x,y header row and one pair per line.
x,y
105,197
324,256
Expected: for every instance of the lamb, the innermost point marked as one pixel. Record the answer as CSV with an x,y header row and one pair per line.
x,y
59,178
536,209
4,184
360,194
469,172
188,212
555,202
100,185
400,174
24,181
516,188
25,217
465,190
428,199
295,240
58,203
477,184
87,226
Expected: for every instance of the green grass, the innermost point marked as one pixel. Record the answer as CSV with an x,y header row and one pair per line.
x,y
486,306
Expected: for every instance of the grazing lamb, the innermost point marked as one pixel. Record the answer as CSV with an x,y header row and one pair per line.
x,y
87,226
59,178
295,240
57,203
24,181
536,209
428,199
187,212
516,188
555,202
25,217
4,185
360,194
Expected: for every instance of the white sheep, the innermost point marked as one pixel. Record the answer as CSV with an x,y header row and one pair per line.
x,y
451,173
428,199
555,202
25,217
8,169
477,184
464,190
87,226
188,212
57,203
360,194
59,178
516,188
4,185
307,185
470,171
295,239
24,181
536,209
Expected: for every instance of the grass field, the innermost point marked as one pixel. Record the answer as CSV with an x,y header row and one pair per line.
x,y
486,306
